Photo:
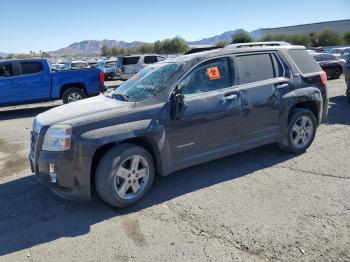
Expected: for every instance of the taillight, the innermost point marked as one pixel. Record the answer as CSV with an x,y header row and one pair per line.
x,y
324,78
102,77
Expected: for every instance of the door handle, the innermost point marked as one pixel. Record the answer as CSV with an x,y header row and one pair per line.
x,y
280,86
230,96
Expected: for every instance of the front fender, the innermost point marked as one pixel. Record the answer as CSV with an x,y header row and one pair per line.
x,y
148,131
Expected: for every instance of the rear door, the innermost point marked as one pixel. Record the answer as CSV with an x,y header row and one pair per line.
x,y
35,81
210,126
261,75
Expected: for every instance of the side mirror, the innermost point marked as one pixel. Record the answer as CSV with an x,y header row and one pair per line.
x,y
178,105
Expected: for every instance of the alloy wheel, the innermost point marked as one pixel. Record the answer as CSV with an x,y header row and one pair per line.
x,y
131,177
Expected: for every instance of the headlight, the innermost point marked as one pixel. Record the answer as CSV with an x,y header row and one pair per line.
x,y
58,138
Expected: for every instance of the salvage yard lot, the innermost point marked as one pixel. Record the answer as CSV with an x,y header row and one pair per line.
x,y
259,205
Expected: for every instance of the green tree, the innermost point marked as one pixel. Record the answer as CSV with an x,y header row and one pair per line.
x,y
241,36
346,38
10,56
113,51
1,58
329,38
221,44
105,51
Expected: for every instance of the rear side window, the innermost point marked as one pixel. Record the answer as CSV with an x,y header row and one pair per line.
x,y
150,59
304,61
28,68
132,60
6,70
255,67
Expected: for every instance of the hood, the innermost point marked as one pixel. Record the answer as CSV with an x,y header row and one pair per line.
x,y
79,109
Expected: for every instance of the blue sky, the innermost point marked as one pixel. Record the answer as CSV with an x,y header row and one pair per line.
x,y
48,25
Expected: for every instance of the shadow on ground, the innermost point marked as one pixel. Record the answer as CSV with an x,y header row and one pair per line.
x,y
30,214
339,110
23,112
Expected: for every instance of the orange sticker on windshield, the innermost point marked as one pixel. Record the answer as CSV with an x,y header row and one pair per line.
x,y
213,73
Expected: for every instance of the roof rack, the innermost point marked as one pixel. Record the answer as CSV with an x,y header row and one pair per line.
x,y
257,44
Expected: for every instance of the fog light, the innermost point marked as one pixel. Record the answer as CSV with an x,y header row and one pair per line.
x,y
53,177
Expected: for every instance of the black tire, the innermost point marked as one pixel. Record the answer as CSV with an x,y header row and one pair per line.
x,y
337,72
73,92
334,73
108,166
295,116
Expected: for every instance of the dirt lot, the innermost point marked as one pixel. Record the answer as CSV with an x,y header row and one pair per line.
x,y
256,206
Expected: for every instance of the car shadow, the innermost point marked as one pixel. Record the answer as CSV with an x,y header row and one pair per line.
x,y
23,112
339,110
30,214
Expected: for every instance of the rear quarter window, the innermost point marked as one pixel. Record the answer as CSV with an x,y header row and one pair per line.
x,y
28,68
304,61
150,60
131,60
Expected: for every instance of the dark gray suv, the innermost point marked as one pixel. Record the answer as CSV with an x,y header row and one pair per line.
x,y
176,114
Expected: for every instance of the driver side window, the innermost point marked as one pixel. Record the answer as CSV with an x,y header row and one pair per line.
x,y
209,76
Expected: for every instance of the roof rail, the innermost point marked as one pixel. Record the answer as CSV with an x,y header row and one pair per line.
x,y
257,44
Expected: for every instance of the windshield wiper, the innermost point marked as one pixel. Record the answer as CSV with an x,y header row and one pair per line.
x,y
120,97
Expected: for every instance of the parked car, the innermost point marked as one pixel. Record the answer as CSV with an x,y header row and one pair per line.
x,y
341,52
347,77
130,65
31,80
108,67
75,65
92,64
331,64
176,114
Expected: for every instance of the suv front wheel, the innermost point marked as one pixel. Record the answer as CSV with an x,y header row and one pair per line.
x,y
124,175
301,130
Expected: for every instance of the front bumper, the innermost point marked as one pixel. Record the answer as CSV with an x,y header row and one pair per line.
x,y
70,183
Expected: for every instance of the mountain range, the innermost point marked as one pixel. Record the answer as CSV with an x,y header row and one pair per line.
x,y
94,46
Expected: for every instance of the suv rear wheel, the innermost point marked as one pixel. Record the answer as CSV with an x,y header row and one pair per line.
x,y
301,130
124,175
73,94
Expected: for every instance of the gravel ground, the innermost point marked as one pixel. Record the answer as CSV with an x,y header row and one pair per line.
x,y
260,205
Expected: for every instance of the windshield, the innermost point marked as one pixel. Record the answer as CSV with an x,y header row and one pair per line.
x,y
146,82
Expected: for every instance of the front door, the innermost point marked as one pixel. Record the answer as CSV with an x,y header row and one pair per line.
x,y
210,126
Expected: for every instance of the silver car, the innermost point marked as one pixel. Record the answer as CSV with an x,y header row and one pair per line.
x,y
130,65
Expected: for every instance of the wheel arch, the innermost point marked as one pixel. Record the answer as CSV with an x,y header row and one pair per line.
x,y
145,142
310,105
78,85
